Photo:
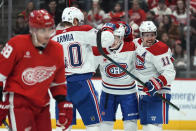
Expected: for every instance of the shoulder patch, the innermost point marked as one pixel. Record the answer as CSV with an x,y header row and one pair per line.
x,y
158,48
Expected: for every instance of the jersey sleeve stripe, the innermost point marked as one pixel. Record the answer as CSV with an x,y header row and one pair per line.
x,y
57,84
107,84
163,79
2,77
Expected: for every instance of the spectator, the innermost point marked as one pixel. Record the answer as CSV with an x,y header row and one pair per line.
x,y
21,27
96,14
75,4
165,39
107,4
193,5
53,10
37,3
85,4
171,4
106,19
117,13
30,7
170,27
180,58
150,16
85,15
192,37
193,34
161,10
143,5
154,3
180,12
136,13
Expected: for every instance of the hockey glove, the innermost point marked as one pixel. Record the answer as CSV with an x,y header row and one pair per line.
x,y
65,114
110,26
152,86
128,32
4,109
127,28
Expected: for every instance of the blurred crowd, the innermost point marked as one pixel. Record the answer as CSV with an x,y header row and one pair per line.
x,y
170,17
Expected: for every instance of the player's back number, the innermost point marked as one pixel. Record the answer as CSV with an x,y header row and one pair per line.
x,y
7,50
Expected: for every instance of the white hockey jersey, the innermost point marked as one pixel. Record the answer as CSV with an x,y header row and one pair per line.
x,y
77,42
154,61
114,80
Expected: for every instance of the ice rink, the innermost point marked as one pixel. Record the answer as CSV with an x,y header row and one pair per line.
x,y
138,130
113,130
122,130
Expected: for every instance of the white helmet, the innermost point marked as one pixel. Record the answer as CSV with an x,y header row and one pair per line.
x,y
70,13
120,31
147,26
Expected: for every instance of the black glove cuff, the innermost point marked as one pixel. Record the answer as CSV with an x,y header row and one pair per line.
x,y
60,98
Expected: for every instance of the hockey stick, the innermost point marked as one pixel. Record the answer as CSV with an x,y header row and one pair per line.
x,y
99,46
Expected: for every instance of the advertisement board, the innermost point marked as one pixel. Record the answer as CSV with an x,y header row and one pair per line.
x,y
183,95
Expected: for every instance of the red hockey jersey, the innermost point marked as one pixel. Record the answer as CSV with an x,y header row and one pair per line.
x,y
30,72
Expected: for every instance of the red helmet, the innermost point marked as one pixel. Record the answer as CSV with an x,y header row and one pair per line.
x,y
40,19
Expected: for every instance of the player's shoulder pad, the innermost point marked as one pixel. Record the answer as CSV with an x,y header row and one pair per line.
x,y
56,47
79,28
128,46
137,41
158,48
19,41
96,51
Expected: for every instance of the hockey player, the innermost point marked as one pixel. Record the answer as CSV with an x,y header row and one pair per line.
x,y
77,40
31,65
154,67
118,87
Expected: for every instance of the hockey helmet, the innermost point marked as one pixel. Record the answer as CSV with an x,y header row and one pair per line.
x,y
120,31
147,26
70,13
40,19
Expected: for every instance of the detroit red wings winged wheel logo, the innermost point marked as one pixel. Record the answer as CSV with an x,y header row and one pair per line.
x,y
32,76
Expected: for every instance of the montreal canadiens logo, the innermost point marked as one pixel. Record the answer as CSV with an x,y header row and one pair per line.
x,y
114,71
31,76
